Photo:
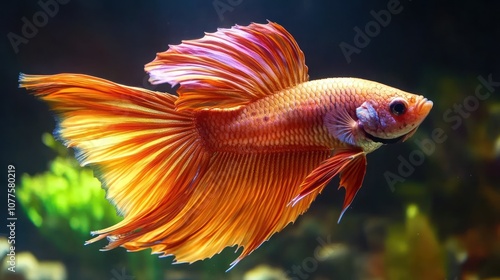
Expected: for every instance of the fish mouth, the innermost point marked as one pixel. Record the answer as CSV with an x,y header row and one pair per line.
x,y
424,107
387,141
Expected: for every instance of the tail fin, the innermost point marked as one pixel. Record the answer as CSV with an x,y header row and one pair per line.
x,y
144,152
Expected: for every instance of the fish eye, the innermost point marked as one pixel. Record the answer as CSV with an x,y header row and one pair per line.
x,y
397,107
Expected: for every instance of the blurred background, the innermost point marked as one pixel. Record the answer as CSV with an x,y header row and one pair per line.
x,y
429,208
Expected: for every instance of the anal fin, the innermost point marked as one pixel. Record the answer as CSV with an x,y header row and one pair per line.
x,y
239,199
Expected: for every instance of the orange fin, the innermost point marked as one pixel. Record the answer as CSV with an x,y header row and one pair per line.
x,y
351,178
241,199
139,146
350,163
231,67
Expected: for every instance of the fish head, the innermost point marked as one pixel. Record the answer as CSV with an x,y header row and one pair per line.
x,y
391,115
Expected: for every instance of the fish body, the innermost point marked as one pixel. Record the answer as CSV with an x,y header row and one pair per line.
x,y
243,150
292,119
285,121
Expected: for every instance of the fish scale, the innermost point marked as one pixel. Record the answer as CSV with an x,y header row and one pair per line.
x,y
288,120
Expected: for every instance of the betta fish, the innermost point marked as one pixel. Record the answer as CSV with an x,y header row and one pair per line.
x,y
242,149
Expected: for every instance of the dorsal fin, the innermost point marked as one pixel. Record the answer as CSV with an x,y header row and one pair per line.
x,y
231,67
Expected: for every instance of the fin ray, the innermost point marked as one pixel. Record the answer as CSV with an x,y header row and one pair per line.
x,y
231,67
241,199
350,163
351,178
130,136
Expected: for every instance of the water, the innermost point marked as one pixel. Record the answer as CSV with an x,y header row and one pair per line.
x,y
428,208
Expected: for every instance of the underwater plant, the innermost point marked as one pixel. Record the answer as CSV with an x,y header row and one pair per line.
x,y
413,250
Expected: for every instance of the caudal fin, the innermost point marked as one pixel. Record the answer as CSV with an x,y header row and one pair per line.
x,y
144,152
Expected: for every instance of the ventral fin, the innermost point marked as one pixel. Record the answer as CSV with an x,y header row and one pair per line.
x,y
231,67
350,163
351,178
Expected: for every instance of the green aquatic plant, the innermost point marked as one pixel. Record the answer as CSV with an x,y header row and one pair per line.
x,y
65,201
413,250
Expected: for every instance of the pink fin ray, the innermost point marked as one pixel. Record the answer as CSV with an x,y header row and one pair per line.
x,y
231,67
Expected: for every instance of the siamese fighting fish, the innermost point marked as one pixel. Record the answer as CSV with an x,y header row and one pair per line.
x,y
239,152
